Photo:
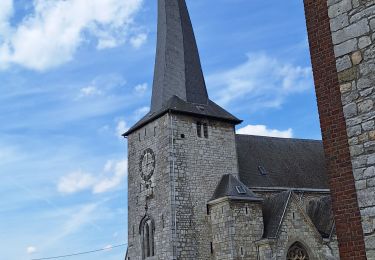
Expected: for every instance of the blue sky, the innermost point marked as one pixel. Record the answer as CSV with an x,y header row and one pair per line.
x,y
74,74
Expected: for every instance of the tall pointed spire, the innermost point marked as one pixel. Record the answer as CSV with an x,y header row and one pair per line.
x,y
179,85
178,68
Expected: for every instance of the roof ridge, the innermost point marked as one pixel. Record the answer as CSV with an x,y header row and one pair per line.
x,y
281,138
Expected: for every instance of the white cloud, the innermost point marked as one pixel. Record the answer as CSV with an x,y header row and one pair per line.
x,y
75,181
141,88
262,130
138,40
89,91
261,82
31,250
112,176
6,11
118,171
51,34
121,128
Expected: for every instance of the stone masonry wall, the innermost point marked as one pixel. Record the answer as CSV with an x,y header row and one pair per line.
x,y
353,35
296,227
156,136
199,164
332,121
235,227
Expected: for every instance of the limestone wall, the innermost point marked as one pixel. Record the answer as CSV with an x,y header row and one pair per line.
x,y
235,228
199,164
155,136
353,34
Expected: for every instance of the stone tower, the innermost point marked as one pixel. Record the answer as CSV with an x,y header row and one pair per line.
x,y
178,152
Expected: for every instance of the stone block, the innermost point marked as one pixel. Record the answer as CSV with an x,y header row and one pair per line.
x,y
363,83
371,135
364,13
369,172
372,24
365,106
347,75
339,8
352,31
370,242
354,131
343,63
339,22
364,41
360,185
345,87
366,197
345,47
371,159
356,57
366,92
367,126
356,150
350,110
358,174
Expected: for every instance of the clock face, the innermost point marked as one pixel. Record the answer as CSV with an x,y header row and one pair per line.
x,y
147,164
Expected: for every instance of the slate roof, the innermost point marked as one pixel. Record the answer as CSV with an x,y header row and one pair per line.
x,y
179,84
291,163
177,105
273,211
229,187
178,69
320,213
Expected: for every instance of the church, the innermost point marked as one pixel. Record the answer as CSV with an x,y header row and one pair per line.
x,y
198,190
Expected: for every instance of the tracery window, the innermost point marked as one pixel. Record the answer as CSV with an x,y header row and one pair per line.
x,y
297,252
147,232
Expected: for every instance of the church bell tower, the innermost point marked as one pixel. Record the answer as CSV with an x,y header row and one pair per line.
x,y
178,152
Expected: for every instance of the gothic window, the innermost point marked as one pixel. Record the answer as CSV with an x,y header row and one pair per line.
x,y
147,232
297,252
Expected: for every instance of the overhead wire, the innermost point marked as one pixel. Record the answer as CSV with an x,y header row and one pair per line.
x,y
80,253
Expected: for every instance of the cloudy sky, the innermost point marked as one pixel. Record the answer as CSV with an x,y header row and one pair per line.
x,y
75,74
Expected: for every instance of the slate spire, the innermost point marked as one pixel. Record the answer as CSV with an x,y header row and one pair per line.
x,y
178,70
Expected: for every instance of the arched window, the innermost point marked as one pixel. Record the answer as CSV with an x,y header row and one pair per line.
x,y
147,230
297,252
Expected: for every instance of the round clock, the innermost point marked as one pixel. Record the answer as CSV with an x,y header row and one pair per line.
x,y
147,164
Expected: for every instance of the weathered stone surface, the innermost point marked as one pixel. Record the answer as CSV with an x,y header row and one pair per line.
x,y
345,47
372,135
366,197
366,12
352,31
364,41
345,87
363,83
356,150
339,22
343,63
372,24
371,159
350,110
347,75
367,126
354,131
339,8
365,106
370,242
356,57
369,172
360,185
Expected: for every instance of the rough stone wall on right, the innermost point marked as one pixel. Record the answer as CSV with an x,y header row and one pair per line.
x,y
353,33
346,100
